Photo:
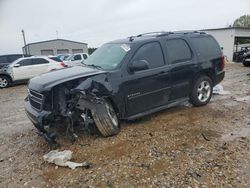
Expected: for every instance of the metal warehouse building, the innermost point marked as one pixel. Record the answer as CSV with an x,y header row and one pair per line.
x,y
54,47
228,38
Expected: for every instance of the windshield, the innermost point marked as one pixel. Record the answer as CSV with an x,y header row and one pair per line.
x,y
108,56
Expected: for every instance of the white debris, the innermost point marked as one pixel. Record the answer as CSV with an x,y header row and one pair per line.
x,y
62,158
243,99
218,90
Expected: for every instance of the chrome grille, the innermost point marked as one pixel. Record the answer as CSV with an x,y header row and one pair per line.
x,y
36,99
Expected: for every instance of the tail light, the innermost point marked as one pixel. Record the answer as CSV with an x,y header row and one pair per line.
x,y
222,58
63,64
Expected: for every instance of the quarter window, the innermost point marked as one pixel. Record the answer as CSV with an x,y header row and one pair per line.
x,y
152,53
178,51
206,46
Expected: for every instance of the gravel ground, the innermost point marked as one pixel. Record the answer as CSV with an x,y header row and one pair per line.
x,y
179,147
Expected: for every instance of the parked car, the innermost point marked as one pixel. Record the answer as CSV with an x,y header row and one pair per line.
x,y
127,79
7,59
63,57
76,59
238,56
23,69
246,59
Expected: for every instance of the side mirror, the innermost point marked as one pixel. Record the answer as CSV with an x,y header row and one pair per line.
x,y
138,65
17,65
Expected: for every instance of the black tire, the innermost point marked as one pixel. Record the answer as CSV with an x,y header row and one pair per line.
x,y
4,81
106,119
201,95
246,64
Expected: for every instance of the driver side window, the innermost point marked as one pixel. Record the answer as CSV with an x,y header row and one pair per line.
x,y
25,62
150,52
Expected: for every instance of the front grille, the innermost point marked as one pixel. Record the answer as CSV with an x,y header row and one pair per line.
x,y
36,99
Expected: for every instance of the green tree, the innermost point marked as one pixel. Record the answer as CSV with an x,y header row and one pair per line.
x,y
243,21
91,50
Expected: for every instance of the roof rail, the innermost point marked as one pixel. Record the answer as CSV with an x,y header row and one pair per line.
x,y
151,33
164,33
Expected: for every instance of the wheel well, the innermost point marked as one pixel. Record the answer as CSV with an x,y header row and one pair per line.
x,y
208,72
109,99
6,76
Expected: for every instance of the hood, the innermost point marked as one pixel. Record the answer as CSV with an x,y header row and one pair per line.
x,y
48,80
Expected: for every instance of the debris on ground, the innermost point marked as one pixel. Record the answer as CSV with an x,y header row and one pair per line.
x,y
62,158
243,99
218,90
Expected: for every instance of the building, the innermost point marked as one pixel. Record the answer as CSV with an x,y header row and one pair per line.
x,y
54,47
229,38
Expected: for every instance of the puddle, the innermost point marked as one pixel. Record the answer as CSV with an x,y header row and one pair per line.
x,y
242,132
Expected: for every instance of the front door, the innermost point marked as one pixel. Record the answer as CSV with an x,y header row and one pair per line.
x,y
147,89
22,70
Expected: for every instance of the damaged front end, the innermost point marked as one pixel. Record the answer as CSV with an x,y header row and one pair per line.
x,y
85,102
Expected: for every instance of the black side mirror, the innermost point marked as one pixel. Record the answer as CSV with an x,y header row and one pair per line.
x,y
138,65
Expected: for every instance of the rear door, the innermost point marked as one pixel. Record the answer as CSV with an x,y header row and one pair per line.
x,y
182,67
39,66
147,89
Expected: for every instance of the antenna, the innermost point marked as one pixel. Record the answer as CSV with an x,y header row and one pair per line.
x,y
56,34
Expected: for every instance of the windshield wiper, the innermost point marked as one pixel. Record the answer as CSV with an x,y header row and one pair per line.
x,y
93,65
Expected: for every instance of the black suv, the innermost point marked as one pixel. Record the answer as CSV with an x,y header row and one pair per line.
x,y
8,59
127,79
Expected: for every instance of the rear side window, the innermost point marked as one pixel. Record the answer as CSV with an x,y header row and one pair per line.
x,y
206,46
39,61
84,56
77,57
178,51
152,53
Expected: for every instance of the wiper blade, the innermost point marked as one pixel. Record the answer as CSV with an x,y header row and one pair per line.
x,y
93,65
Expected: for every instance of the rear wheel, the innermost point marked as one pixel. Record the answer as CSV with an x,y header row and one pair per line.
x,y
202,91
106,119
246,64
4,81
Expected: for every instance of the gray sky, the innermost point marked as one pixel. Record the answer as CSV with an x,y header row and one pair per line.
x,y
98,21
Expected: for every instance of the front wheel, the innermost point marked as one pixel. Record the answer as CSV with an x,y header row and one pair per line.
x,y
106,119
4,81
202,91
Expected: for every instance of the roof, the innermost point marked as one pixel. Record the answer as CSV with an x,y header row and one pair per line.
x,y
55,40
226,28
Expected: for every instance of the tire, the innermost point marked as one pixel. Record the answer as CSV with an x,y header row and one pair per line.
x,y
202,91
246,64
4,81
106,119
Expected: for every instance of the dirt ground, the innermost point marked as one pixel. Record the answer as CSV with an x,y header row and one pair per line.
x,y
179,147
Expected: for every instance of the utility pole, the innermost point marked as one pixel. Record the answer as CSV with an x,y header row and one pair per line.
x,y
24,41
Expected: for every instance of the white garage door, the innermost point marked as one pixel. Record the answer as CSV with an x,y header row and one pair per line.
x,y
47,52
75,51
63,51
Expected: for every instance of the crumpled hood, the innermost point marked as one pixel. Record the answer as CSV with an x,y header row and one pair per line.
x,y
48,80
